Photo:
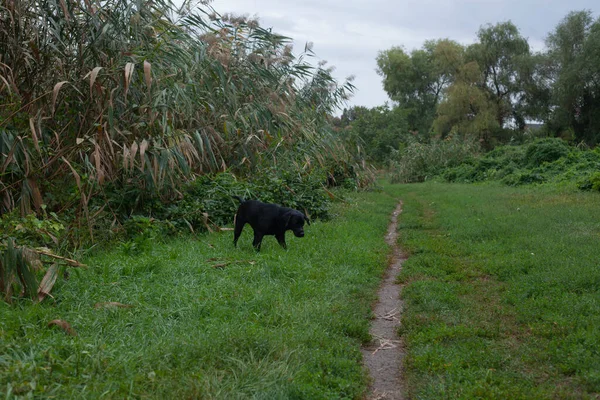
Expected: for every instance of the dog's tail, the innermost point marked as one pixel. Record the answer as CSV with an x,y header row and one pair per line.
x,y
240,199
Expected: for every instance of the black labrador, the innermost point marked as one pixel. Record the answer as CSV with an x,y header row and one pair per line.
x,y
268,219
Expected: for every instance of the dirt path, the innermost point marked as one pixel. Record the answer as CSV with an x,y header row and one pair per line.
x,y
383,356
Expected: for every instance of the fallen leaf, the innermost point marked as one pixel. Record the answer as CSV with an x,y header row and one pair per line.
x,y
48,282
64,325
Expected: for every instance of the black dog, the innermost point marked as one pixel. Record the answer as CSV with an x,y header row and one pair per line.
x,y
268,219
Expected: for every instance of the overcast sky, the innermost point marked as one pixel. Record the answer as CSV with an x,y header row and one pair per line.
x,y
349,33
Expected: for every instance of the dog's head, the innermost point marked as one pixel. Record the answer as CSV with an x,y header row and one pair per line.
x,y
295,222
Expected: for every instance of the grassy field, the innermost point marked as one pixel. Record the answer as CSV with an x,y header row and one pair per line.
x,y
208,320
502,292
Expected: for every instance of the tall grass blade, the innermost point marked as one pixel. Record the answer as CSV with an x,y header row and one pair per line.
x,y
55,92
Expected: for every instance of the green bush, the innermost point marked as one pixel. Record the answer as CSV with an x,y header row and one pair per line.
x,y
522,178
542,161
496,164
507,155
33,230
466,173
592,182
208,202
420,161
545,150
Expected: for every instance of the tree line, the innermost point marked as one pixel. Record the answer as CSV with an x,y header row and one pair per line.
x,y
491,89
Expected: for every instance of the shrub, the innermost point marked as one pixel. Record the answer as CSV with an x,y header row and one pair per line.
x,y
207,202
420,161
545,150
542,161
522,178
33,230
592,182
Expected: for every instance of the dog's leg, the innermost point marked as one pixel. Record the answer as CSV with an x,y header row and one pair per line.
x,y
239,225
281,240
258,237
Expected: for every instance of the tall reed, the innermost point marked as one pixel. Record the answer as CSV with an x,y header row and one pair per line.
x,y
103,96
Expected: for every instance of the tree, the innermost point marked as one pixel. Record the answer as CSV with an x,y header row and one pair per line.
x,y
574,56
416,81
504,59
495,85
381,129
467,108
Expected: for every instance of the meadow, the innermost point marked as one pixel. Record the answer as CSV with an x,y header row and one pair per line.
x,y
501,294
200,319
501,290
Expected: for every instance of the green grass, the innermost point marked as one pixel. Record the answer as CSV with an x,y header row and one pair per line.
x,y
279,324
502,291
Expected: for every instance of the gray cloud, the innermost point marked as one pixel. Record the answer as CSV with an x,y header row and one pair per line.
x,y
350,33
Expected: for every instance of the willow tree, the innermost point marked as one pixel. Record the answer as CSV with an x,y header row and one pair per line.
x,y
467,108
574,57
417,80
502,55
491,88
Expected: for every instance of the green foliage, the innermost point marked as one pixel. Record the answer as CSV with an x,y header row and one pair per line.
x,y
547,150
496,164
417,80
113,107
421,161
523,178
490,87
141,233
541,161
595,180
45,230
592,182
574,61
207,204
502,55
294,190
383,130
467,110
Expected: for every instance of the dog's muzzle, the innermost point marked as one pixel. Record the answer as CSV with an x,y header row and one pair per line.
x,y
299,233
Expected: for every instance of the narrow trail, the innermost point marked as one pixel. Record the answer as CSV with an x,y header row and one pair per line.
x,y
383,356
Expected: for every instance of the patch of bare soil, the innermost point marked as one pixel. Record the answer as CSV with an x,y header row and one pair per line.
x,y
383,356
